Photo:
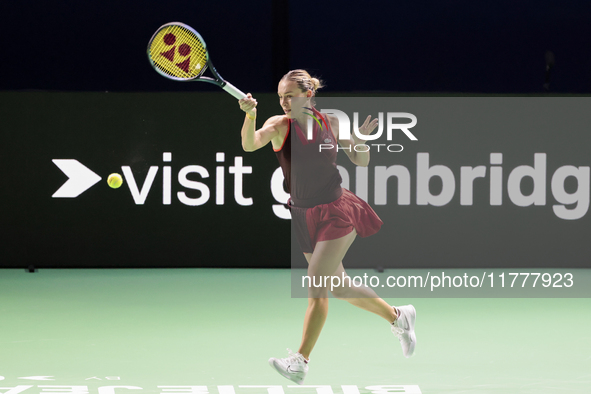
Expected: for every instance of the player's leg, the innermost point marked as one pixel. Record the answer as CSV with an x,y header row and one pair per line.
x,y
325,260
362,297
367,299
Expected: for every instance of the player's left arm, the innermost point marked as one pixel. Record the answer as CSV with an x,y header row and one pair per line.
x,y
359,157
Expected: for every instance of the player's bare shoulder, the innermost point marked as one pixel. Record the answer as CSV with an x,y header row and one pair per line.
x,y
278,122
332,119
334,124
280,125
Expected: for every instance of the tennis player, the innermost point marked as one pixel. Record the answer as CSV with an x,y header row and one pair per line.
x,y
327,217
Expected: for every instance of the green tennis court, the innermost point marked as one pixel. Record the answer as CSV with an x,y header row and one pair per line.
x,y
213,330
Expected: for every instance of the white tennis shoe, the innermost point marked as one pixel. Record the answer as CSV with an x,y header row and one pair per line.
x,y
293,367
404,329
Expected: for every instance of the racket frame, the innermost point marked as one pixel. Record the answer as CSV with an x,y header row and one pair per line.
x,y
218,80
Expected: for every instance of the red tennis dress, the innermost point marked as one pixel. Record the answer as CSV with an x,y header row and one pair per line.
x,y
321,209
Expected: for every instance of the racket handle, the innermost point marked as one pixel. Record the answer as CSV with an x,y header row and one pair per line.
x,y
233,90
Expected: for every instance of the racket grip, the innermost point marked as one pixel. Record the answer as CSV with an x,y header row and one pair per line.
x,y
233,90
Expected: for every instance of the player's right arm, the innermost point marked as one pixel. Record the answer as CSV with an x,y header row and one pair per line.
x,y
253,139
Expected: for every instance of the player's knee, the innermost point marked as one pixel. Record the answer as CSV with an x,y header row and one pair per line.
x,y
317,292
340,292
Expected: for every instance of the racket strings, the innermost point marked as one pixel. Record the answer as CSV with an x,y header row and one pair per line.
x,y
178,52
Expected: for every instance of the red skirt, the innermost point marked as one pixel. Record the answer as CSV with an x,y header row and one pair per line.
x,y
326,222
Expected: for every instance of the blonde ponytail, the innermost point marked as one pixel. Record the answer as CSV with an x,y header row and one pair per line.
x,y
304,81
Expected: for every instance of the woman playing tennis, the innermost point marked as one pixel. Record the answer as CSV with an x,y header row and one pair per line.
x,y
327,217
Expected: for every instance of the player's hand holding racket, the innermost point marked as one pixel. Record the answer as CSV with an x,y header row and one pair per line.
x,y
248,105
178,52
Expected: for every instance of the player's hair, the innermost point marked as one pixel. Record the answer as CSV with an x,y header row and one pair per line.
x,y
304,80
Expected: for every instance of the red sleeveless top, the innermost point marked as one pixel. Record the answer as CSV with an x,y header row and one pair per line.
x,y
311,175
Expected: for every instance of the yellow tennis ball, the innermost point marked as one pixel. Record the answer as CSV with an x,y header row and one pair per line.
x,y
115,180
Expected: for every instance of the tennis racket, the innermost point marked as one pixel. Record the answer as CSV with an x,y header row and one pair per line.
x,y
178,52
